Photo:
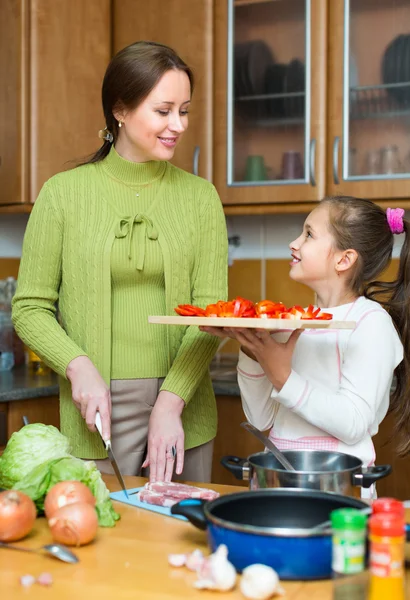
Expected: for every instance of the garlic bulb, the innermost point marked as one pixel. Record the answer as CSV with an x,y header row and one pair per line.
x,y
217,573
260,582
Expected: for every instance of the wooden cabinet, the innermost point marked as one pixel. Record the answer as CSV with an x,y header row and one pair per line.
x,y
231,439
187,27
37,410
369,99
312,98
53,57
270,100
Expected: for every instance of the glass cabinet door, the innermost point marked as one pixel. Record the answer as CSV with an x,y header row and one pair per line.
x,y
270,142
373,141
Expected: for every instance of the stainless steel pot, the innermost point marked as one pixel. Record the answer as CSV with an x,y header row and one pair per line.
x,y
315,470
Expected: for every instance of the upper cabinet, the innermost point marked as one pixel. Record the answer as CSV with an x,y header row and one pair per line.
x,y
52,61
369,98
294,99
270,100
186,26
312,97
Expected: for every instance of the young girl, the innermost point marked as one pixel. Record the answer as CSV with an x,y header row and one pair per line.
x,y
330,390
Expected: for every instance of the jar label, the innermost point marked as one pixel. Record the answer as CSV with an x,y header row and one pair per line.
x,y
347,556
386,560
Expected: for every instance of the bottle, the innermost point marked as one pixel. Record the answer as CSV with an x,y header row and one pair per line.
x,y
35,364
6,341
387,538
348,554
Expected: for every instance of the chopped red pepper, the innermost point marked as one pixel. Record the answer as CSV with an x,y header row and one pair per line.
x,y
188,310
242,308
269,309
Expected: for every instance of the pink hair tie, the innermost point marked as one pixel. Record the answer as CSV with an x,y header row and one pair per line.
x,y
395,219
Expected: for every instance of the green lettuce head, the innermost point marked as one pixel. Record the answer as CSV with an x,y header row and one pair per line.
x,y
32,445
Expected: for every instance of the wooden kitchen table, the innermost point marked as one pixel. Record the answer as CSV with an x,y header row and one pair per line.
x,y
128,561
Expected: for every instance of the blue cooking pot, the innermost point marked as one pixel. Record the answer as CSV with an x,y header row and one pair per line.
x,y
272,527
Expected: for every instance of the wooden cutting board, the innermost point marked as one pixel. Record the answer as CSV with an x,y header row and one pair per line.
x,y
271,324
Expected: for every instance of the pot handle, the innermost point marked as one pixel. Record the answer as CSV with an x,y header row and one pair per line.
x,y
193,510
237,466
371,475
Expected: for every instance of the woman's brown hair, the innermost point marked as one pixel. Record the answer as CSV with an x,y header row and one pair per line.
x,y
131,75
362,225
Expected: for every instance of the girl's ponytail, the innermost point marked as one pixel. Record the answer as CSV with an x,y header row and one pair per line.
x,y
394,296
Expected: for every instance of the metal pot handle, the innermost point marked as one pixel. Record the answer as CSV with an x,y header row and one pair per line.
x,y
193,510
237,466
371,475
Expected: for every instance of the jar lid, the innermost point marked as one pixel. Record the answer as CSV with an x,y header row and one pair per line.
x,y
388,505
387,524
348,518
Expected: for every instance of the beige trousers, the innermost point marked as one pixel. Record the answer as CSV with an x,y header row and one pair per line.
x,y
132,404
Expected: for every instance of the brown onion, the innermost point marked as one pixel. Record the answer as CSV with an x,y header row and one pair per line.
x,y
74,524
67,492
17,515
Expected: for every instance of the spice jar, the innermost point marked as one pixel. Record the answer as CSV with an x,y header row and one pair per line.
x,y
348,554
387,540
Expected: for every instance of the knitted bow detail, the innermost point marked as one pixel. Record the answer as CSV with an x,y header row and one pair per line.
x,y
146,230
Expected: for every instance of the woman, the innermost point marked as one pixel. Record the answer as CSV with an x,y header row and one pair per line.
x,y
124,236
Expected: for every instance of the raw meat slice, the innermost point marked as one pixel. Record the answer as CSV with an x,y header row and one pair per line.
x,y
180,490
157,499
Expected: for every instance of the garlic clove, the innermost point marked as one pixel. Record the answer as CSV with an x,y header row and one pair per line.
x,y
177,560
195,560
260,582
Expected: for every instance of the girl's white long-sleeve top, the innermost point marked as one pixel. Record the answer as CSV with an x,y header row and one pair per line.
x,y
338,391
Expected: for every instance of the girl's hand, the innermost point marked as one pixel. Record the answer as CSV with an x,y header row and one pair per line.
x,y
90,393
164,433
274,357
221,332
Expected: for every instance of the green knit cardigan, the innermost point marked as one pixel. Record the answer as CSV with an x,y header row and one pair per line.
x,y
66,258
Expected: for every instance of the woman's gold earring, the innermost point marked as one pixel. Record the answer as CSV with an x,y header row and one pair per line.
x,y
119,124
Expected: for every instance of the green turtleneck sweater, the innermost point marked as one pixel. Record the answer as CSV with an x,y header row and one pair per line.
x,y
137,269
110,257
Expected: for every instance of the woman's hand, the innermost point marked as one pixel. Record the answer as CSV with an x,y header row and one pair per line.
x,y
90,393
165,432
274,357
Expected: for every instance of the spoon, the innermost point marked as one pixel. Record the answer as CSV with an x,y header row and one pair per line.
x,y
269,445
57,550
326,524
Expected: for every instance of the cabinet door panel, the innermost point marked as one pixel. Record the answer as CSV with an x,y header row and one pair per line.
x,y
369,98
187,27
70,50
270,100
13,100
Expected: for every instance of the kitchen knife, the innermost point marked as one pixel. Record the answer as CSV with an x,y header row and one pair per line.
x,y
110,453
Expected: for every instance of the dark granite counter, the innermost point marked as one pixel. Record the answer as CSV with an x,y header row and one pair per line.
x,y
21,384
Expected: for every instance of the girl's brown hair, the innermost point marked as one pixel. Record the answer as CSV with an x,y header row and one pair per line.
x,y
362,225
131,75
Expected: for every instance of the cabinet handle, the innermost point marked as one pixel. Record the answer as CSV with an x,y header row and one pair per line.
x,y
336,160
195,163
312,165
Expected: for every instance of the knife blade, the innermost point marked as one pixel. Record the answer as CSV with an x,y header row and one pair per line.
x,y
107,444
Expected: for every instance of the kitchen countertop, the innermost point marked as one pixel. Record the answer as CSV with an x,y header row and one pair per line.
x,y
128,561
21,384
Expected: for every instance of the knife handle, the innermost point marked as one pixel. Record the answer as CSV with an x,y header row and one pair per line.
x,y
98,425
